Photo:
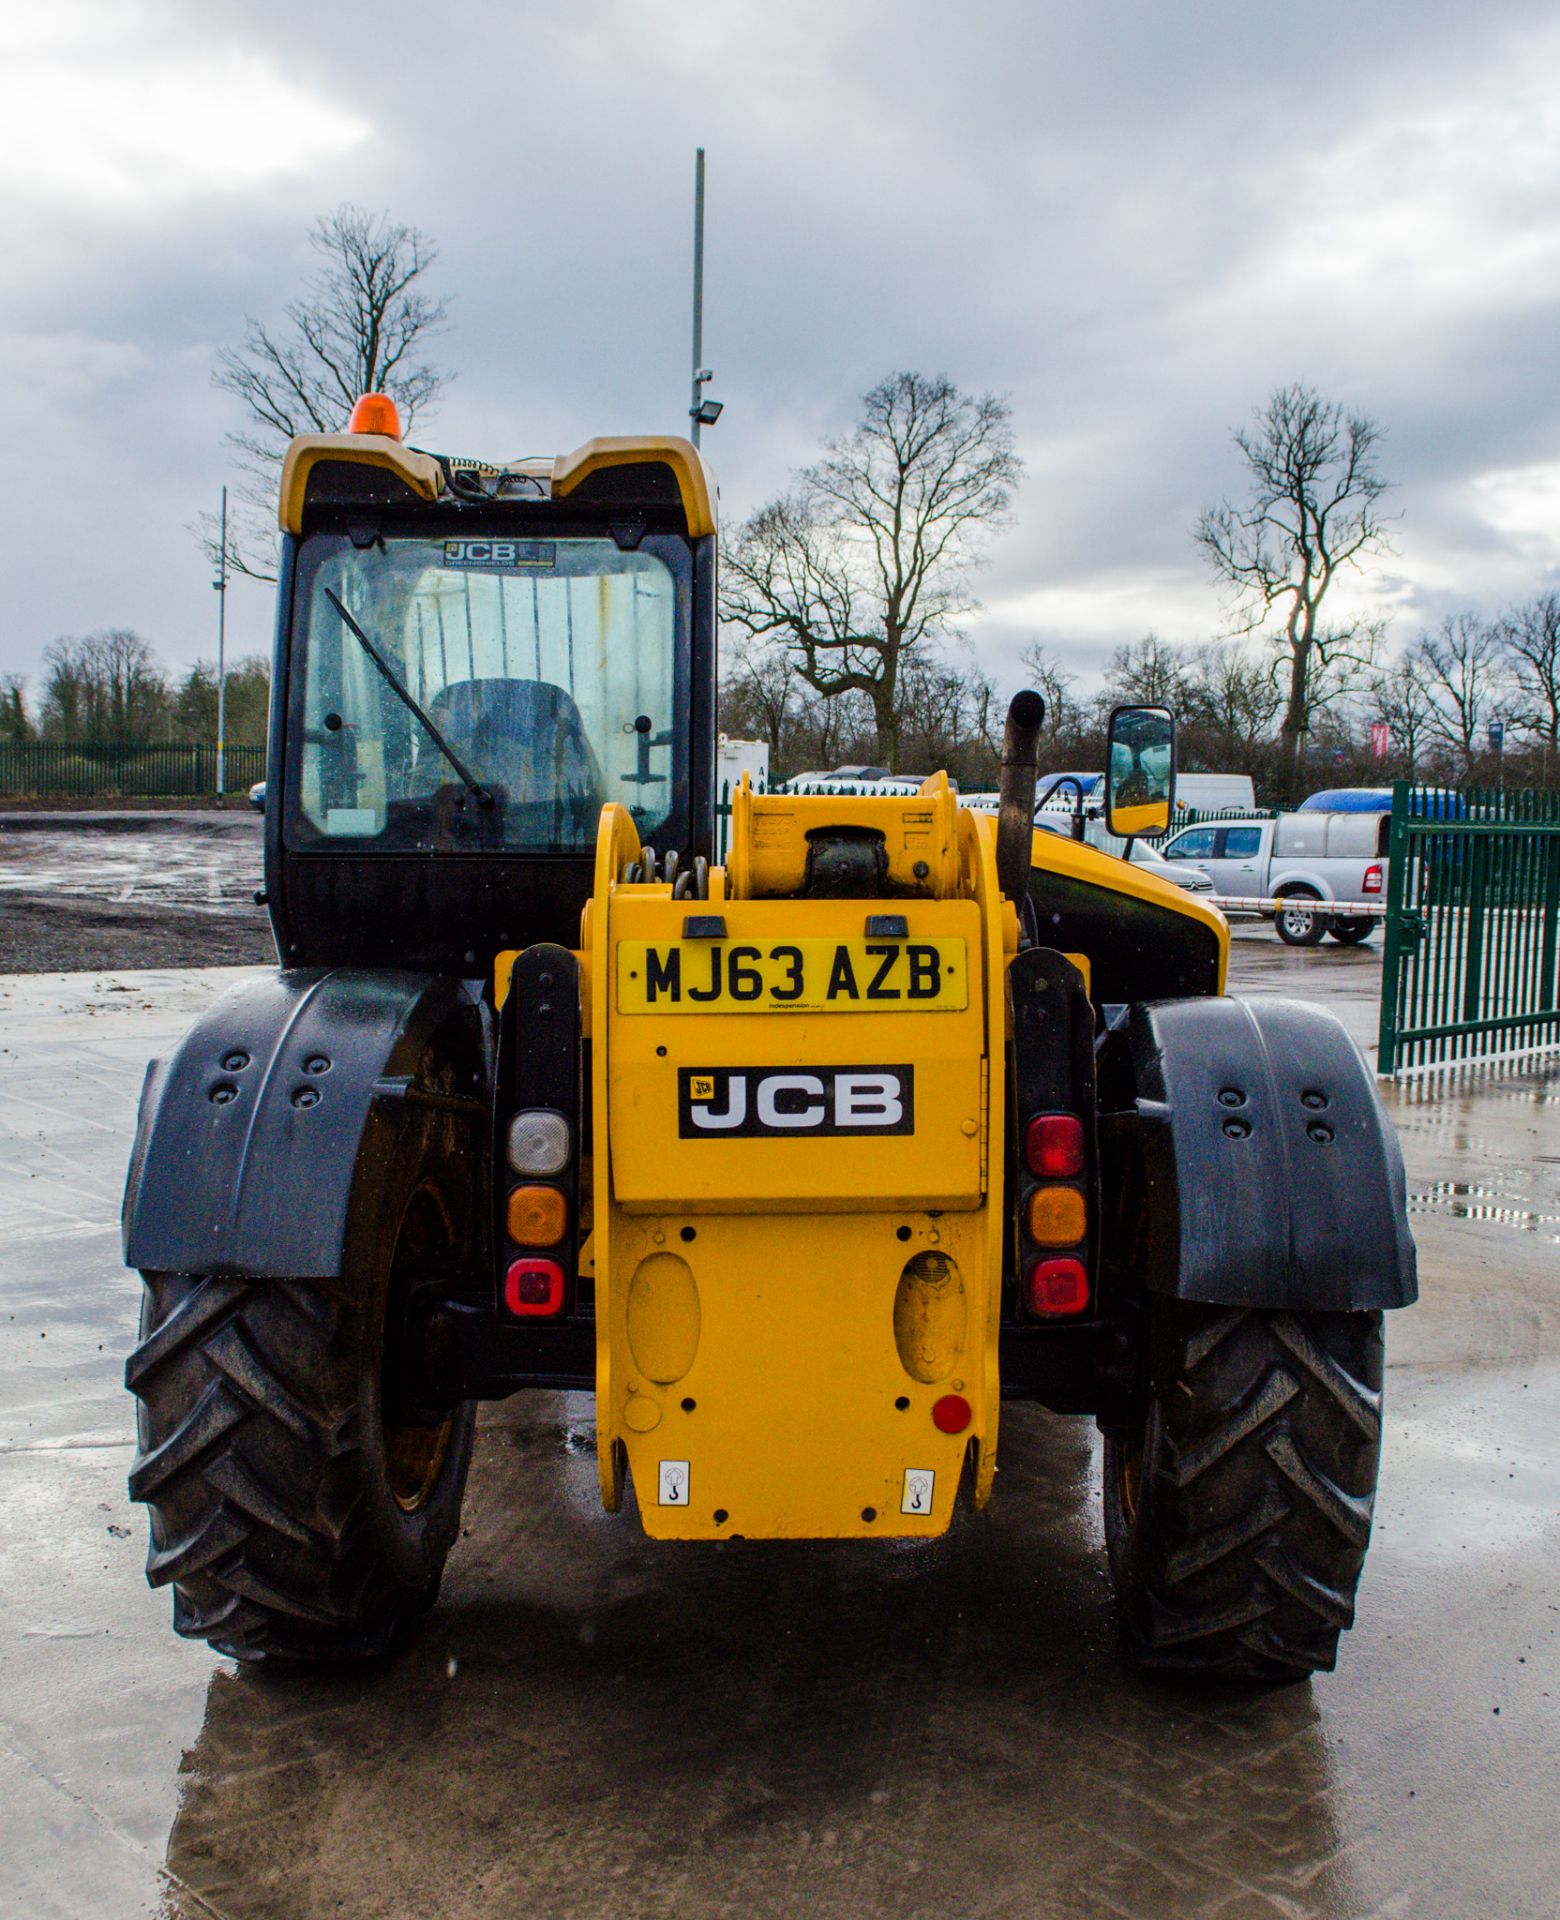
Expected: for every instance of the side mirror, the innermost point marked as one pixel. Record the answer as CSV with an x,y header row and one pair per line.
x,y
1139,771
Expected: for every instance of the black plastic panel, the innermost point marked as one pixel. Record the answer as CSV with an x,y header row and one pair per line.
x,y
1137,950
1270,1174
260,1139
538,1066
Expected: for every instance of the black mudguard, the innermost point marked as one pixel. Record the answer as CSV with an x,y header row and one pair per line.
x,y
263,1143
1258,1166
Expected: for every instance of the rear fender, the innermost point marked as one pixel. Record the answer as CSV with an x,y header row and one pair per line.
x,y
266,1141
1255,1165
1288,878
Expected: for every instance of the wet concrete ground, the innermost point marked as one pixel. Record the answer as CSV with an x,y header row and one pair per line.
x,y
594,1726
126,889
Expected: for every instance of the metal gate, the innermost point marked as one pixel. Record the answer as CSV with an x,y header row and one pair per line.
x,y
1473,905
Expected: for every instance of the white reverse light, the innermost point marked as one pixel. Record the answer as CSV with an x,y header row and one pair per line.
x,y
538,1142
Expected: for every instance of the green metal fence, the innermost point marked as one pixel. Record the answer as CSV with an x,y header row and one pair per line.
x,y
78,770
1473,907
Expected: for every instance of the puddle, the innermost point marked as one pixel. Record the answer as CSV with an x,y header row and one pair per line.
x,y
1466,1200
1522,1082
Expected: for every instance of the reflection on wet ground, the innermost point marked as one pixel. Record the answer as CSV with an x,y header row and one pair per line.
x,y
1464,1201
592,1725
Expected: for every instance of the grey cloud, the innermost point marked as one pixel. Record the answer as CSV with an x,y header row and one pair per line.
x,y
1117,217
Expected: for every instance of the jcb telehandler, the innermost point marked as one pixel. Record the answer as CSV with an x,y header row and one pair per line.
x,y
806,1152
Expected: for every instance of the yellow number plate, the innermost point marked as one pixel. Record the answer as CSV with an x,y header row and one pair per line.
x,y
792,976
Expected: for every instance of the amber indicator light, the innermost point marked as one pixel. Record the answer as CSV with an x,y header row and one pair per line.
x,y
537,1216
1056,1217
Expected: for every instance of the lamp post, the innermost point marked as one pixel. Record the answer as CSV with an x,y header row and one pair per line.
x,y
220,583
702,412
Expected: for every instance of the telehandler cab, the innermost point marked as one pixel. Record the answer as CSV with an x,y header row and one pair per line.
x,y
805,1155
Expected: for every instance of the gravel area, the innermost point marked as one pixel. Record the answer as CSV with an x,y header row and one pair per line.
x,y
91,890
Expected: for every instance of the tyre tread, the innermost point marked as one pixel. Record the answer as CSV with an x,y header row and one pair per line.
x,y
1256,1507
250,1463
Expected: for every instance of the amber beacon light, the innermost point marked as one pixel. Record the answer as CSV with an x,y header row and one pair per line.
x,y
375,413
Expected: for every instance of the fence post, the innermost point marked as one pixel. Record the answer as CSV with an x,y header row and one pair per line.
x,y
1392,939
1550,923
1473,949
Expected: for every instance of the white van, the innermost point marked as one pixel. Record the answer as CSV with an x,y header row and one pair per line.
x,y
1215,792
734,757
1194,792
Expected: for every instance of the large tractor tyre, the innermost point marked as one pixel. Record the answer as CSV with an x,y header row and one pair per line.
x,y
1297,922
296,1511
1238,1515
1351,930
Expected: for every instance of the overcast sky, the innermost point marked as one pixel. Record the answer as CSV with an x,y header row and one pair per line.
x,y
1132,220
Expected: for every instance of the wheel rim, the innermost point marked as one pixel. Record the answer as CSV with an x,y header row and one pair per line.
x,y
414,1451
1297,920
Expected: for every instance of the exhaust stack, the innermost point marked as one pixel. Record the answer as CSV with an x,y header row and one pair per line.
x,y
1016,795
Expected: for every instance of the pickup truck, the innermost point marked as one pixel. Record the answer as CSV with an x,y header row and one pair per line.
x,y
1302,857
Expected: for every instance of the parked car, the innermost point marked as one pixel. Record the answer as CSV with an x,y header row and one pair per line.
x,y
257,796
1181,874
1299,856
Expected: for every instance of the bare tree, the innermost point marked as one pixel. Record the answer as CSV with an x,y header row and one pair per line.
x,y
1054,684
1400,698
1530,636
361,325
950,717
1149,672
760,696
1461,667
1312,512
1229,702
867,558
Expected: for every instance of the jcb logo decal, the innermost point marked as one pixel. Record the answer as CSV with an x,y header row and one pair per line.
x,y
797,1103
498,553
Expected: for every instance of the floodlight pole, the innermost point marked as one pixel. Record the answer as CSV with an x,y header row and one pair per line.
x,y
220,583
696,393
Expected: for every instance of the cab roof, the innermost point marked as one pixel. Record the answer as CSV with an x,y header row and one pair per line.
x,y
636,473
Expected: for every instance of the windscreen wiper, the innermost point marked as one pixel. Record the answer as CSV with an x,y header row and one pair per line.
x,y
468,779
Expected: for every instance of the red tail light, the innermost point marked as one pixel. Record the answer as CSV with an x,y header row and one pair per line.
x,y
534,1287
1372,882
1053,1146
1057,1287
